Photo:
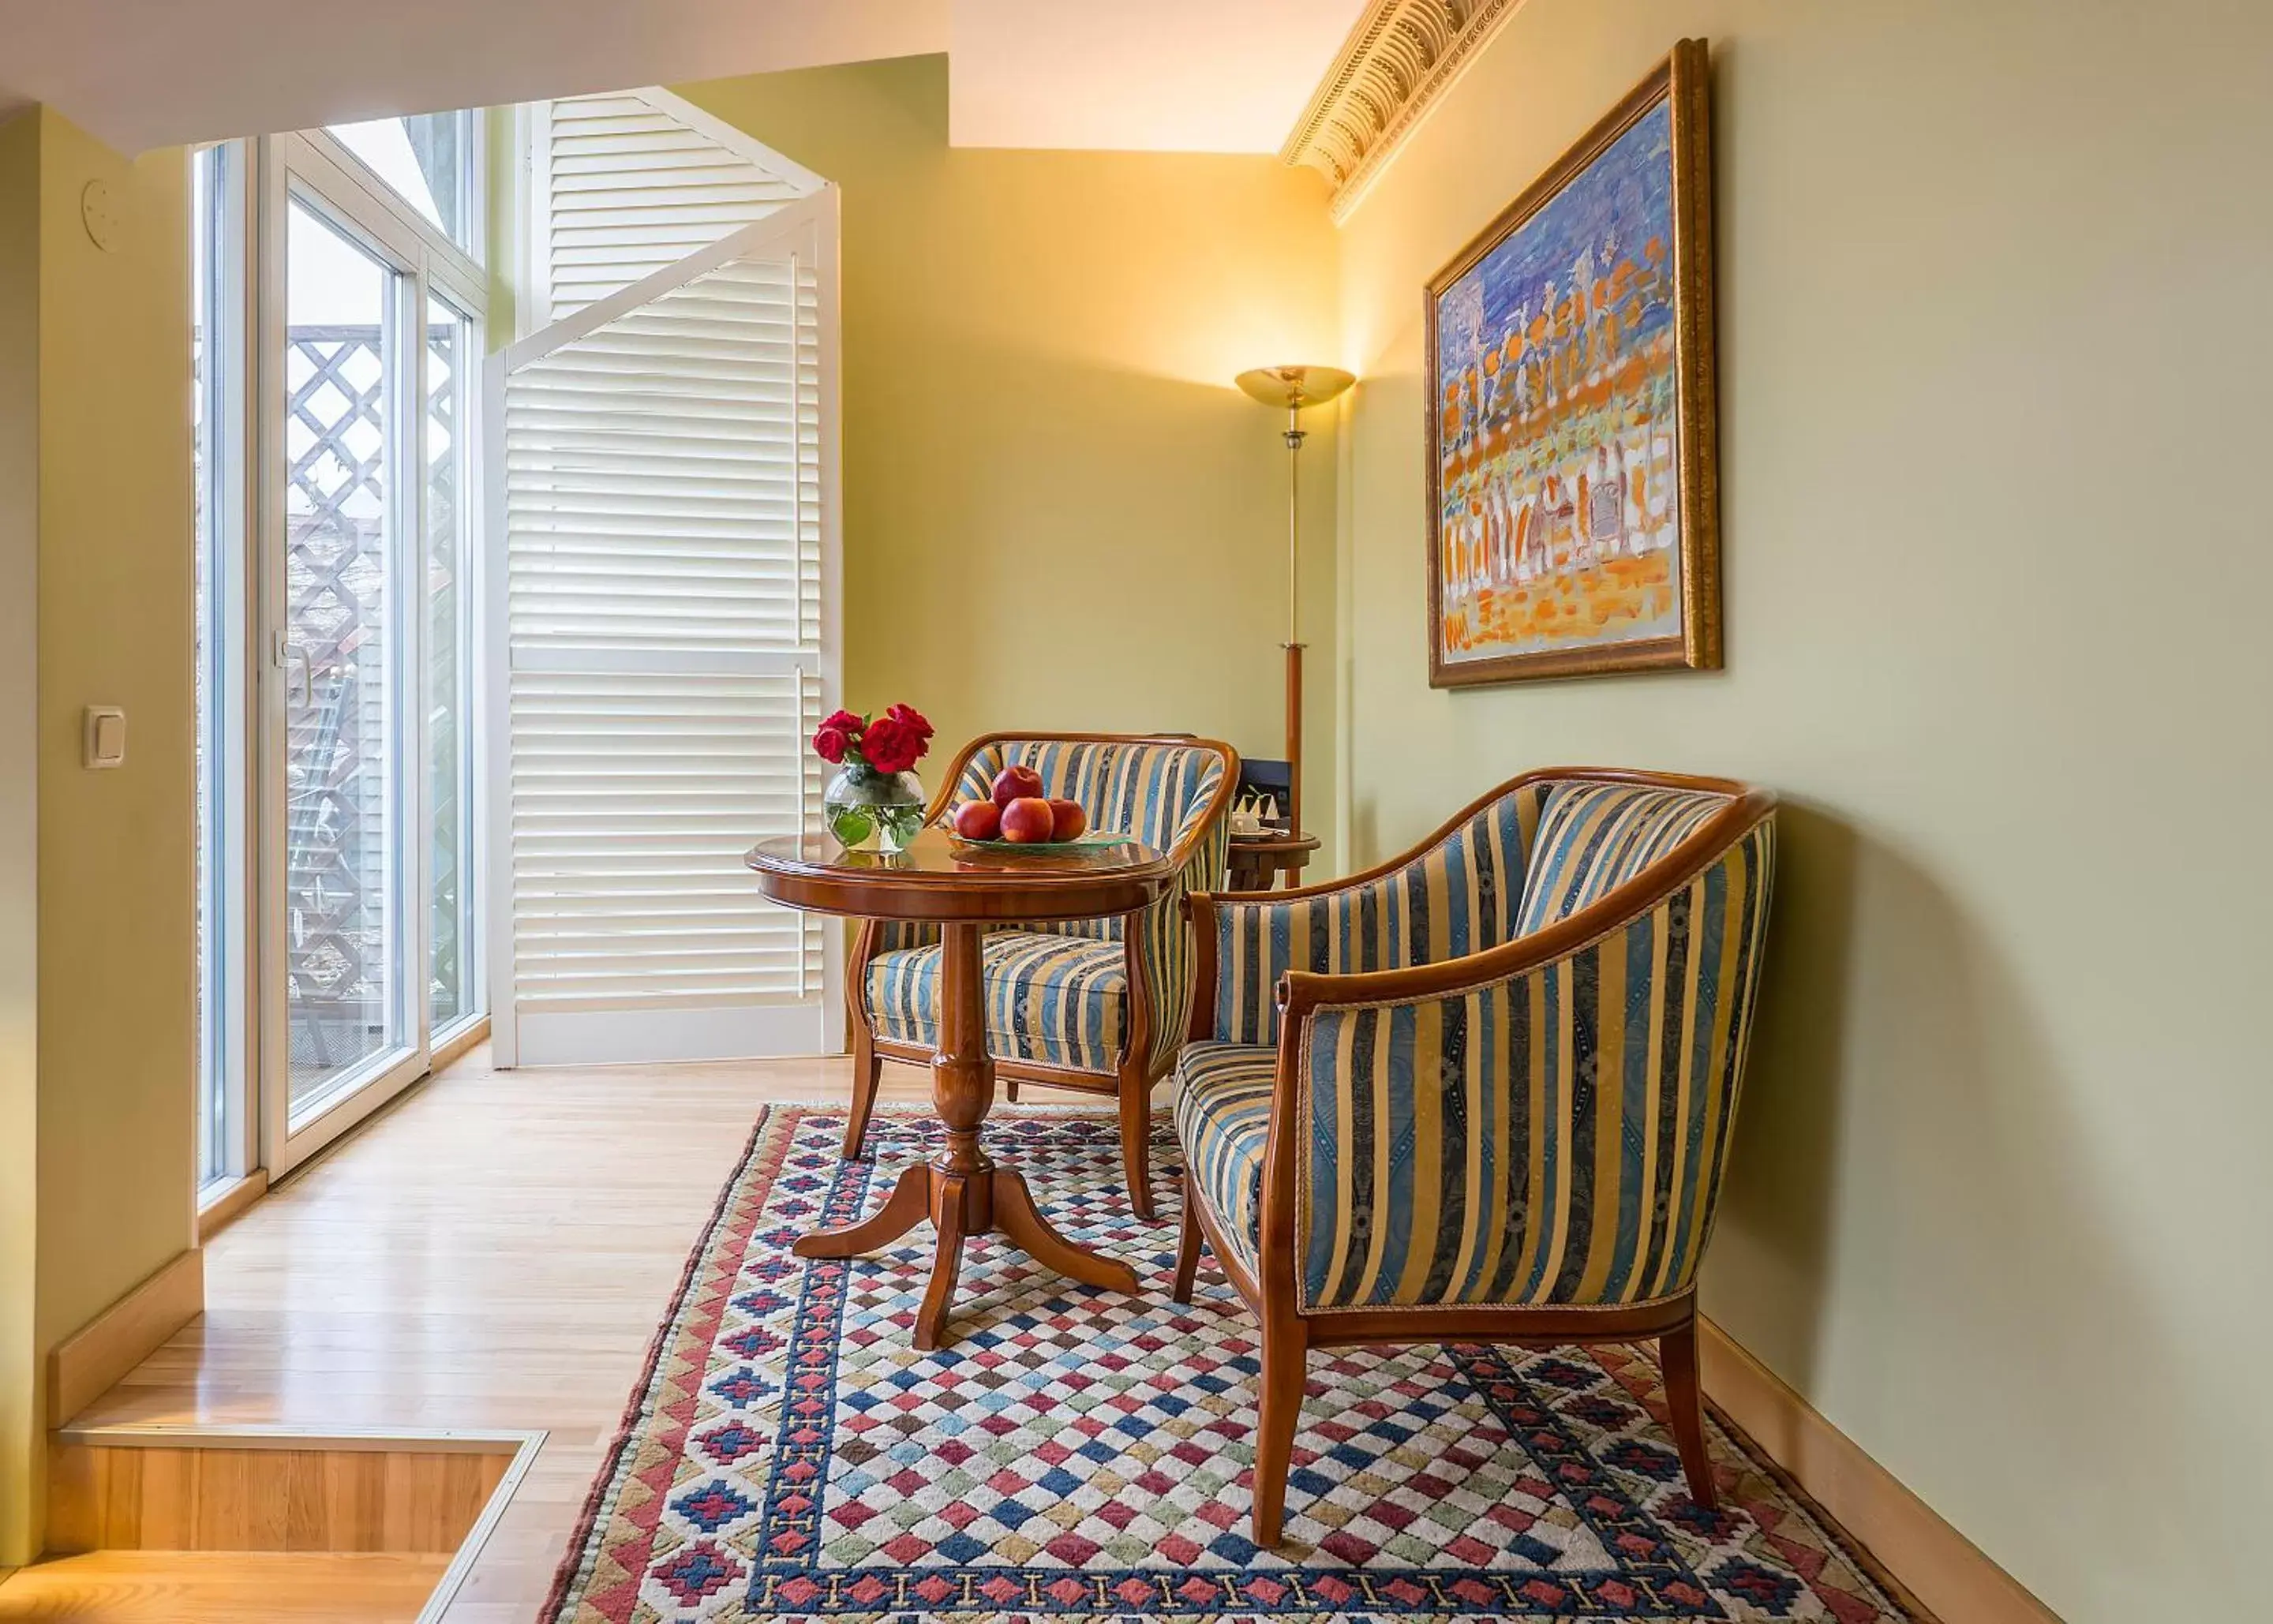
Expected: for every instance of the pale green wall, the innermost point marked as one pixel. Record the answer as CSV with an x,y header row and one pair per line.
x,y
1992,414
19,545
117,950
95,1176
1059,512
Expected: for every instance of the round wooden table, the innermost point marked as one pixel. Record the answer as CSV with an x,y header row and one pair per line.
x,y
962,1191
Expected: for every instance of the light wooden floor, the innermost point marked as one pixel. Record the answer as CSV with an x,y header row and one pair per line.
x,y
210,1587
495,1252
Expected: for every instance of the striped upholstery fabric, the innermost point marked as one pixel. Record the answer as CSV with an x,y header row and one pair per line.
x,y
1459,896
1156,792
1593,837
895,934
1555,1139
1057,1000
1223,1117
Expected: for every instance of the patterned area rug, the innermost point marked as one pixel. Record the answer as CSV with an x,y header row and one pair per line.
x,y
1076,1453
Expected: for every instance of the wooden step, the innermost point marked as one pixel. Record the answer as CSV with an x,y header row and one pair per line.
x,y
225,1587
154,1520
159,1488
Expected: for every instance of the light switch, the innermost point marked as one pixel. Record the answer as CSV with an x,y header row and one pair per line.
x,y
106,736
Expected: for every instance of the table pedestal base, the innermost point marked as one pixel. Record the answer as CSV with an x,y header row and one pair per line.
x,y
961,1190
963,1205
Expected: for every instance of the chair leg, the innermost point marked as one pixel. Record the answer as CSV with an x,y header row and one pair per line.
x,y
867,1071
1188,1246
1286,1350
1010,1089
1136,1139
1684,1405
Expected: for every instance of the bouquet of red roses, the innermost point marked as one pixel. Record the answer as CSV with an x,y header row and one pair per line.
x,y
891,744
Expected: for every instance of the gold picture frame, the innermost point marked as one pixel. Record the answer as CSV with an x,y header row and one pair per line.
x,y
1566,538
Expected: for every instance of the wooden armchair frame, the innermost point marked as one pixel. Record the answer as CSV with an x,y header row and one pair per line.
x,y
1134,1072
1269,1291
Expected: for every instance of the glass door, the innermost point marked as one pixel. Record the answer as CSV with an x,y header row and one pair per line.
x,y
338,300
367,902
344,726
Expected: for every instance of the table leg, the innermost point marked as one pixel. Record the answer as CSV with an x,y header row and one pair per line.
x,y
961,1072
1017,1217
960,1189
952,1198
908,1205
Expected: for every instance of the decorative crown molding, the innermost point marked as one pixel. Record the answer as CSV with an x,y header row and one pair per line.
x,y
1402,56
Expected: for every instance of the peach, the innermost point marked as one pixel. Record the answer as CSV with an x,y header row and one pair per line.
x,y
979,821
1026,820
1067,819
1012,782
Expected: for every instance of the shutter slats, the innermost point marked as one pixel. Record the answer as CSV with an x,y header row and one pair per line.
x,y
663,536
629,190
662,490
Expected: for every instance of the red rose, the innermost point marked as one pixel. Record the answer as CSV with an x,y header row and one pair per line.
x,y
891,745
845,722
832,742
909,716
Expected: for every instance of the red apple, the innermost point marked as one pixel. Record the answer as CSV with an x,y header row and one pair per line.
x,y
1067,819
1026,820
979,821
1015,782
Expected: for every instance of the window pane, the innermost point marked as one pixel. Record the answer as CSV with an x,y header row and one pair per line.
x,y
343,767
449,345
423,158
216,1117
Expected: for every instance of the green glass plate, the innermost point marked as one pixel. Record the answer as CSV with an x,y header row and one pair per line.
x,y
1021,846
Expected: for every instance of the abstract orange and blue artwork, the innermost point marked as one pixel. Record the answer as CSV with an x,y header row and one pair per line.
x,y
1572,512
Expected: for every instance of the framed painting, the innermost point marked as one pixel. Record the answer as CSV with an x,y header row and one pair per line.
x,y
1574,522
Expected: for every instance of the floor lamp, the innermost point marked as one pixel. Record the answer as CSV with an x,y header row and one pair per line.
x,y
1291,388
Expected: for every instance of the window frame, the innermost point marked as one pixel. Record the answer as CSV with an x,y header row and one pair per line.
x,y
473,184
228,974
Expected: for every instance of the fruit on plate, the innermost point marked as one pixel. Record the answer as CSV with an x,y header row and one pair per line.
x,y
1026,820
1067,819
1012,782
979,821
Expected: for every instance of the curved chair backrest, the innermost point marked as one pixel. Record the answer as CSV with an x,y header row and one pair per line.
x,y
1485,877
1157,789
1590,836
1171,793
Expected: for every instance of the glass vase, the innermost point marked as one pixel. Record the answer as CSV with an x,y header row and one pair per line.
x,y
869,810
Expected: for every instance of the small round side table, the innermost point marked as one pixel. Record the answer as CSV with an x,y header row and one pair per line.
x,y
1257,860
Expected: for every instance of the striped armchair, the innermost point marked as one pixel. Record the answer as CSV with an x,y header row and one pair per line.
x,y
1095,1004
1483,1092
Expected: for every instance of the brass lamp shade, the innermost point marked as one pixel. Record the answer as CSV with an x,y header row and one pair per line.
x,y
1292,388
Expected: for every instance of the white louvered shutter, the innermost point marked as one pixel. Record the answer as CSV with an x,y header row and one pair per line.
x,y
667,471
636,181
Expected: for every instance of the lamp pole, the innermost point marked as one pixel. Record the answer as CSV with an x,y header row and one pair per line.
x,y
1295,387
1294,438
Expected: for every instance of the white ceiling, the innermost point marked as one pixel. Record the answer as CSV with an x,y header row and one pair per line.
x,y
142,73
1206,76
1158,75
